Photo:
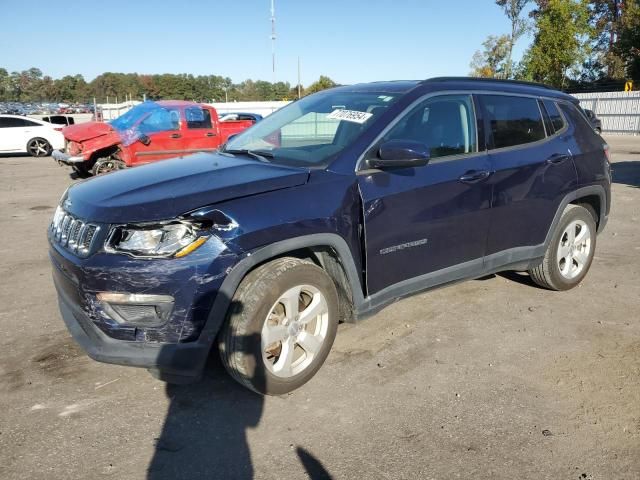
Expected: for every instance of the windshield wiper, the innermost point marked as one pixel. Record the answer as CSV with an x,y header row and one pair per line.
x,y
261,155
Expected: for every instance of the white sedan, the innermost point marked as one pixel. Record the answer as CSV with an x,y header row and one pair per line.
x,y
35,137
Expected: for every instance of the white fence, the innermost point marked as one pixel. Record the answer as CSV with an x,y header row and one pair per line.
x,y
261,108
619,111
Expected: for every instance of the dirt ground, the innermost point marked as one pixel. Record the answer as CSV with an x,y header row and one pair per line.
x,y
491,378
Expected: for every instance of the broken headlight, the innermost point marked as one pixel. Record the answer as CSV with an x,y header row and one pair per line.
x,y
175,239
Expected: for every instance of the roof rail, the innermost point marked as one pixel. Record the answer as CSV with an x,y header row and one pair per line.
x,y
489,80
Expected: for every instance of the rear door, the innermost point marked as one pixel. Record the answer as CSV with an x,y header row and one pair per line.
x,y
199,133
432,219
533,171
13,134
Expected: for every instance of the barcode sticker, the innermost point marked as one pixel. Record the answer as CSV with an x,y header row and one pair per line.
x,y
350,116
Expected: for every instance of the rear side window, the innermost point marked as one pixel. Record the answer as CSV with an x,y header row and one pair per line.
x,y
514,120
198,117
554,114
577,118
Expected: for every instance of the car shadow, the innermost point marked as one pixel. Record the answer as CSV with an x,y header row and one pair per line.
x,y
627,173
523,278
16,154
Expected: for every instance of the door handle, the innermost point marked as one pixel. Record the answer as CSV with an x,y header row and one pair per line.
x,y
210,134
557,158
473,176
175,135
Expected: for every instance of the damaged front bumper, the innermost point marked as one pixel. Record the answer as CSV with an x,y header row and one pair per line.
x,y
178,360
175,350
62,157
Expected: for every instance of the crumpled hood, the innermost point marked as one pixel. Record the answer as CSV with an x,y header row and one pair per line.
x,y
86,131
167,189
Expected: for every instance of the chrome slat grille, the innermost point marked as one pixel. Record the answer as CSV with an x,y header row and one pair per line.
x,y
71,233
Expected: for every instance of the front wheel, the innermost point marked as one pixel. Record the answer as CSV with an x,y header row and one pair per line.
x,y
570,252
280,327
106,165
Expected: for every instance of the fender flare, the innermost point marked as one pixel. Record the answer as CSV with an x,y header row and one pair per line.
x,y
572,196
227,290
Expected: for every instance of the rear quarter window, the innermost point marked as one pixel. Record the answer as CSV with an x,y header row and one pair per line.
x,y
9,122
554,114
513,120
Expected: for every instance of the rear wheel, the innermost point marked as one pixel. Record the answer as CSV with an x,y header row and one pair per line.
x,y
39,147
570,252
280,327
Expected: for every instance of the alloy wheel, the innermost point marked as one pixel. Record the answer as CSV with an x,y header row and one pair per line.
x,y
294,331
574,249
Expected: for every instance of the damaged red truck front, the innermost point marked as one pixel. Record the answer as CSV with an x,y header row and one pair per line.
x,y
149,132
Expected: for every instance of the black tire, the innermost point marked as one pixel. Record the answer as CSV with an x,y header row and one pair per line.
x,y
548,273
240,342
39,147
107,165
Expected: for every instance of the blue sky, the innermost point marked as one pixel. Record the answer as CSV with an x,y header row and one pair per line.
x,y
349,40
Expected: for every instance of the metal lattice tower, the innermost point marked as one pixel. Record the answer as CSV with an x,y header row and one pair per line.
x,y
273,40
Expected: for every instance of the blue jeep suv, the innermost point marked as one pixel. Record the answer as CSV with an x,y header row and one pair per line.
x,y
326,211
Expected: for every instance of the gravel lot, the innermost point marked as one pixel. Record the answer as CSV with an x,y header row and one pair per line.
x,y
491,378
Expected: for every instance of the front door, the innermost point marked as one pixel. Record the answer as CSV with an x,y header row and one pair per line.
x,y
428,225
162,129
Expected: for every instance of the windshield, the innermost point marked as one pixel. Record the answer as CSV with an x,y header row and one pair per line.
x,y
314,130
144,119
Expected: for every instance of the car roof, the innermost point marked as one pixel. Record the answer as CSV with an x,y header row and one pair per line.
x,y
393,86
461,83
498,85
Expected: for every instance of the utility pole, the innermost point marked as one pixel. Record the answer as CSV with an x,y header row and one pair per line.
x,y
273,40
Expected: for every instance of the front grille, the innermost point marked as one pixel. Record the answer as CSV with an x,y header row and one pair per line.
x,y
71,233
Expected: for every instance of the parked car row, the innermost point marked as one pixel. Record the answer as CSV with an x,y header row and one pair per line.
x,y
46,108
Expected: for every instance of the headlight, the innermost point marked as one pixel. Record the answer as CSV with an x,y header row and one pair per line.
x,y
175,239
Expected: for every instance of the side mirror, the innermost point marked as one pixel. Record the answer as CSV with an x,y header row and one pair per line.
x,y
144,139
401,154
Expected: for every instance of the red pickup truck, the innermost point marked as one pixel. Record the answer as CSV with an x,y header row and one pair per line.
x,y
149,132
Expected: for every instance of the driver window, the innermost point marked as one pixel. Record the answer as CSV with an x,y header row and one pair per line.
x,y
446,124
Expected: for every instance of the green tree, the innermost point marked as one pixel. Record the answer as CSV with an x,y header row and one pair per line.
x,y
5,86
493,61
606,17
321,84
561,42
628,45
513,10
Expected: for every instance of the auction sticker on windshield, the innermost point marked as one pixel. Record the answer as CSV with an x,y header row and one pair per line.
x,y
350,116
